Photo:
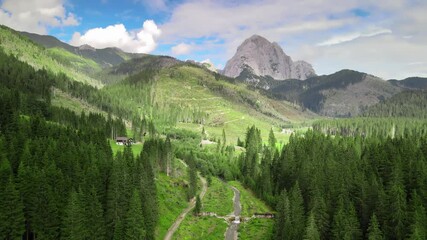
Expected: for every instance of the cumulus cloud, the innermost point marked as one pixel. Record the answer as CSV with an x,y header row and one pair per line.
x,y
36,16
181,49
140,41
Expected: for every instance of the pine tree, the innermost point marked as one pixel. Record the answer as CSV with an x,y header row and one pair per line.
x,y
418,228
374,231
12,222
283,225
321,215
345,225
73,223
311,232
272,140
198,207
134,222
94,221
297,212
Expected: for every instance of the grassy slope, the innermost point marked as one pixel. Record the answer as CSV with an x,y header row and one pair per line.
x,y
228,108
218,198
65,100
39,57
172,200
256,229
201,228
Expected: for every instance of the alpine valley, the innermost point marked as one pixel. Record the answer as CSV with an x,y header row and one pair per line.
x,y
105,144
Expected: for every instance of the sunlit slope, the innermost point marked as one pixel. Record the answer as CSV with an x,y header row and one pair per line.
x,y
223,105
55,60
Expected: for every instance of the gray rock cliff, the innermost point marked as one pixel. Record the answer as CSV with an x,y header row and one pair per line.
x,y
263,58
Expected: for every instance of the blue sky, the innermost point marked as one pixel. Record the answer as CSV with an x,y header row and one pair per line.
x,y
383,38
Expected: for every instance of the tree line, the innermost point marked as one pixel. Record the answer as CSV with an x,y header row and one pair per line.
x,y
339,187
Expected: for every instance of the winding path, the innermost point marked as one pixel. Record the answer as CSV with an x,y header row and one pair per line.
x,y
231,233
181,217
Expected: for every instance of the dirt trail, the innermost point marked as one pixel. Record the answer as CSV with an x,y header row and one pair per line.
x,y
231,233
181,217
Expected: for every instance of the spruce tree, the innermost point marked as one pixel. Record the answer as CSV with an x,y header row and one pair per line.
x,y
73,223
311,232
272,140
198,207
374,231
134,221
297,212
283,225
12,222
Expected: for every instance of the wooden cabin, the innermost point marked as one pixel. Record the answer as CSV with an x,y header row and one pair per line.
x,y
121,140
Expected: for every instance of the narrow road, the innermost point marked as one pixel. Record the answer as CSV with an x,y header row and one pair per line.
x,y
181,217
231,233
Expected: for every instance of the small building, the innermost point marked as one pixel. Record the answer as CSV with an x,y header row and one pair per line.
x,y
121,140
264,215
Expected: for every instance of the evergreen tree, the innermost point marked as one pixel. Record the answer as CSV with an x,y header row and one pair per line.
x,y
198,207
296,214
311,232
73,224
418,228
134,222
374,231
272,140
93,220
283,225
12,222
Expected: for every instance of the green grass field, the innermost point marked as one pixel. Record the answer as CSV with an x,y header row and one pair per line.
x,y
250,203
256,229
136,148
172,200
218,198
201,228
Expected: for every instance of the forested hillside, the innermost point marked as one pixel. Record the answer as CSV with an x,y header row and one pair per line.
x,y
59,178
56,61
327,187
405,104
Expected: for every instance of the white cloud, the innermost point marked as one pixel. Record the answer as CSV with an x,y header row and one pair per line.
x,y
141,41
352,36
304,28
36,16
181,49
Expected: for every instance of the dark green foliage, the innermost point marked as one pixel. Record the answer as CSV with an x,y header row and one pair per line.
x,y
134,223
192,174
198,206
374,231
283,224
73,224
311,232
58,176
405,104
12,225
341,182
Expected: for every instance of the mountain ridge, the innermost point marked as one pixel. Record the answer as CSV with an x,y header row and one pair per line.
x,y
262,58
106,57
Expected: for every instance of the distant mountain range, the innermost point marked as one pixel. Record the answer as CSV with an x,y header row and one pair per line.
x,y
265,66
106,57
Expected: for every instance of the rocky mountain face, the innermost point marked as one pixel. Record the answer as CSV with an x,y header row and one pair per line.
x,y
257,58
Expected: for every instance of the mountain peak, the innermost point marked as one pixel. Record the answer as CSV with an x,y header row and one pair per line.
x,y
263,58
